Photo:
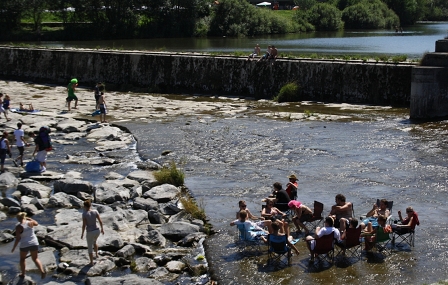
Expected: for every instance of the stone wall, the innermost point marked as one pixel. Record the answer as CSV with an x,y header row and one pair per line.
x,y
321,80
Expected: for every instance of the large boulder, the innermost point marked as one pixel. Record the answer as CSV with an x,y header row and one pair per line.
x,y
72,186
70,125
162,193
130,279
152,237
109,193
7,179
47,259
63,200
142,176
10,202
34,189
177,230
126,252
145,204
144,264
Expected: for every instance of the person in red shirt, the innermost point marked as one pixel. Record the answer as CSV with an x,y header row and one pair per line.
x,y
409,222
292,186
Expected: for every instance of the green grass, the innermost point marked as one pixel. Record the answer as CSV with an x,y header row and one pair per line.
x,y
191,207
46,17
170,175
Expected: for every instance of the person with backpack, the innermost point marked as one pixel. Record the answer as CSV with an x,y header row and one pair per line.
x,y
43,144
4,149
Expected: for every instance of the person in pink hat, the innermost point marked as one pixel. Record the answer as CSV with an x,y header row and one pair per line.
x,y
302,214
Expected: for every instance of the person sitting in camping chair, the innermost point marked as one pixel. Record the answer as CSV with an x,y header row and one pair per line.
x,y
276,226
251,230
408,223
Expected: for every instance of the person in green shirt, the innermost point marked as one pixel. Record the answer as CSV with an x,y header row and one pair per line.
x,y
71,93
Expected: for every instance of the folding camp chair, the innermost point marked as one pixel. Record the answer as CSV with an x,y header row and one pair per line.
x,y
248,242
390,204
278,249
352,245
285,209
317,218
323,249
382,240
404,237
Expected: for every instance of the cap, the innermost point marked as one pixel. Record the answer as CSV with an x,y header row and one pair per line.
x,y
74,80
292,176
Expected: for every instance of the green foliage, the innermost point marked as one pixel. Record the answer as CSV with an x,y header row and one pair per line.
x,y
191,207
325,17
305,4
369,14
170,175
409,11
399,58
290,92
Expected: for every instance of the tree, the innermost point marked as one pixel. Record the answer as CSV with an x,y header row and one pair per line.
x,y
409,11
325,17
369,14
11,12
305,4
35,9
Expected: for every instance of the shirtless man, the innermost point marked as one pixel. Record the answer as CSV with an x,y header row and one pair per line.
x,y
274,53
341,212
256,52
103,110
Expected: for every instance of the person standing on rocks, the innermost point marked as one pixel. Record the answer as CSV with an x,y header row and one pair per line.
x,y
4,149
103,109
2,109
43,144
28,243
98,88
89,218
71,93
19,134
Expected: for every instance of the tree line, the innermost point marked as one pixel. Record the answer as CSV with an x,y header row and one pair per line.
x,y
106,19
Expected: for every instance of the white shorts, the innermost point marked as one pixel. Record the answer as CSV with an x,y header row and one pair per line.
x,y
41,156
91,239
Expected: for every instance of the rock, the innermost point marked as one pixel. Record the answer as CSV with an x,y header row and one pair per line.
x,y
22,281
162,193
109,193
84,196
90,161
102,265
35,189
70,125
130,279
145,204
73,175
191,238
113,176
121,261
104,133
67,217
148,165
3,216
63,200
10,202
179,217
142,176
25,200
126,252
159,272
152,237
175,266
144,264
6,237
30,209
73,186
127,183
81,256
36,202
44,176
155,217
8,179
136,192
177,230
110,146
14,210
140,248
47,259
74,136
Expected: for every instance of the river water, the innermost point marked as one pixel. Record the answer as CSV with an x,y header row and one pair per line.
x,y
376,153
413,42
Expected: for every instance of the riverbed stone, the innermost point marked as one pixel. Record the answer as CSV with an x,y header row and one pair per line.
x,y
110,146
74,136
136,192
126,183
72,186
3,216
47,259
70,125
109,193
6,237
145,204
126,252
30,209
106,132
113,176
102,265
152,237
7,179
148,165
35,189
141,176
177,230
84,196
130,279
67,217
155,217
190,239
81,256
64,200
100,161
175,266
14,210
144,264
10,202
162,193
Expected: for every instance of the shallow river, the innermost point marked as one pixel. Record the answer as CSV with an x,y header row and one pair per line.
x,y
375,154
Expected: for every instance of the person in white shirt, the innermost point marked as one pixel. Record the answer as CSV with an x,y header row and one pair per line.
x,y
320,232
19,134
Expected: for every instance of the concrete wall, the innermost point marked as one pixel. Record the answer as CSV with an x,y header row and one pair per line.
x,y
328,81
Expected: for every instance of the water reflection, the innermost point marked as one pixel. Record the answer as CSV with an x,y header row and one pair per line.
x,y
413,42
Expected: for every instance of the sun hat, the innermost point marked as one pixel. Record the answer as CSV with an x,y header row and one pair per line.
x,y
294,203
74,80
292,176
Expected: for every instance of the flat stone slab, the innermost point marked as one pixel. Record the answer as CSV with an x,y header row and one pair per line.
x,y
47,175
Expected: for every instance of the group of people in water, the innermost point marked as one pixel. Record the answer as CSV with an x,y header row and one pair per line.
x,y
270,54
273,220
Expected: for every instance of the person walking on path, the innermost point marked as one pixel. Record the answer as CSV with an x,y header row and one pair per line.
x,y
71,93
28,243
19,134
103,109
4,149
89,218
2,108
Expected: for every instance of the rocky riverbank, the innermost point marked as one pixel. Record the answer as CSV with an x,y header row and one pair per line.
x,y
148,234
